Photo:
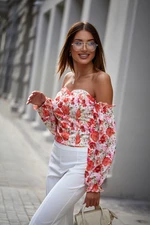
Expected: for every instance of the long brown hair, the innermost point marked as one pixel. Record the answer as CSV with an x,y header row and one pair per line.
x,y
65,60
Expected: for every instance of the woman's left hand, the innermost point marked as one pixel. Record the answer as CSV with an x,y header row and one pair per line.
x,y
92,199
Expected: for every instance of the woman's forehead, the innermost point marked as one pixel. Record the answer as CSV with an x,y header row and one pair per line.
x,y
83,35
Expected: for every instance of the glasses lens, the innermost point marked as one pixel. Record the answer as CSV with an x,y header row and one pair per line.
x,y
77,45
90,45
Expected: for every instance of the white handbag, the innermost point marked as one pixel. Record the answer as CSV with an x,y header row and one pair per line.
x,y
98,216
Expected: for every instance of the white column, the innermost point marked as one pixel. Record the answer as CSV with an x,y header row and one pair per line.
x,y
98,8
114,37
113,47
49,64
69,17
86,10
36,73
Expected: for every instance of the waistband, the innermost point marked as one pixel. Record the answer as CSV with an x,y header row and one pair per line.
x,y
70,148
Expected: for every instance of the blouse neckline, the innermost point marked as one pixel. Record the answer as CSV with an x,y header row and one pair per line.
x,y
79,89
89,95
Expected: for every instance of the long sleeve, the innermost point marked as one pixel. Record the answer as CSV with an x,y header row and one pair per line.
x,y
46,113
101,146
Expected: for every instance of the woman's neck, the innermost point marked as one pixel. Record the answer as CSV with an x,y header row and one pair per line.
x,y
84,70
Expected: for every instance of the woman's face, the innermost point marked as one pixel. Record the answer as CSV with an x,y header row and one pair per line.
x,y
83,47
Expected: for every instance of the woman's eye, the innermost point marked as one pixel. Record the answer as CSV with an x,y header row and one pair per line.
x,y
78,43
91,43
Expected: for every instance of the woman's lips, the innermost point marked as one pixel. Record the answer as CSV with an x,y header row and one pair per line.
x,y
83,56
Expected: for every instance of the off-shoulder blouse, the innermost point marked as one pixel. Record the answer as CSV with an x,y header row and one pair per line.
x,y
76,119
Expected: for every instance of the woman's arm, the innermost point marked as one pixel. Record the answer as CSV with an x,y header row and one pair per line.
x,y
102,141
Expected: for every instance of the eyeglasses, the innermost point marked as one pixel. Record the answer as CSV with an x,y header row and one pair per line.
x,y
90,45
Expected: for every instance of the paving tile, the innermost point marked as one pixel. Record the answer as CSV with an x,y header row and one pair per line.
x,y
23,217
4,222
2,215
2,209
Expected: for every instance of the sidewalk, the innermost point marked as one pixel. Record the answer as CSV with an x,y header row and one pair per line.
x,y
24,155
22,171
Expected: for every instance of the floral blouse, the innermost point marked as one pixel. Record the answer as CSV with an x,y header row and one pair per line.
x,y
76,119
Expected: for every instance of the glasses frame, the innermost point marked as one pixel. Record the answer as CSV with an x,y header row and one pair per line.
x,y
84,43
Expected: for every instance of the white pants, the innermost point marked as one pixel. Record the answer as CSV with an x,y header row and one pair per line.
x,y
65,185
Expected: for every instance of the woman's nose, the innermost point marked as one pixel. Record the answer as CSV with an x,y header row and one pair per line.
x,y
84,47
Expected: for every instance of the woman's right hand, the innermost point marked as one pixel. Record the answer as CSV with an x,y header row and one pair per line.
x,y
36,98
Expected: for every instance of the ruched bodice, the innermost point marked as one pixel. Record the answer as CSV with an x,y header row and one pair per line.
x,y
74,113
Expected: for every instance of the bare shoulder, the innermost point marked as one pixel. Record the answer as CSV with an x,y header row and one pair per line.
x,y
66,78
102,77
103,88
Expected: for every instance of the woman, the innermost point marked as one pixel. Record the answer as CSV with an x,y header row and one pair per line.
x,y
81,118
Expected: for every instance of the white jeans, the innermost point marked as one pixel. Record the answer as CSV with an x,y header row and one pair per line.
x,y
65,185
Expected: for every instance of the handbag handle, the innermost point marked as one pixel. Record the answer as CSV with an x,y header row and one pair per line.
x,y
84,206
83,216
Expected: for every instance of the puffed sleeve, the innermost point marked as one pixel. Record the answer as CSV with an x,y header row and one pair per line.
x,y
46,112
101,146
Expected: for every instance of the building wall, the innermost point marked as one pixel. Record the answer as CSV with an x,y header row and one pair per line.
x,y
27,16
8,38
131,81
17,39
